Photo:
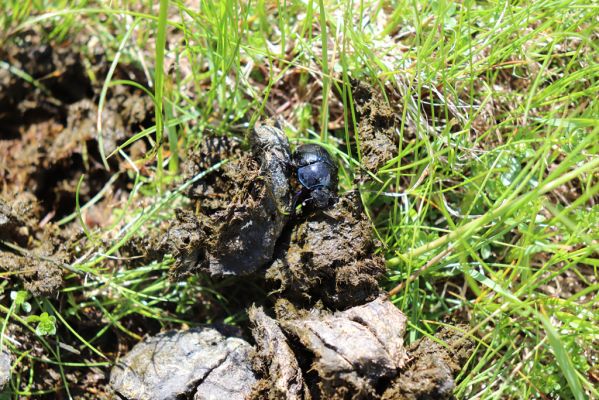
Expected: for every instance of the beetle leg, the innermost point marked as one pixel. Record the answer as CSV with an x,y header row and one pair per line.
x,y
296,199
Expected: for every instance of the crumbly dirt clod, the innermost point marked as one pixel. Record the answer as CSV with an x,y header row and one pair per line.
x,y
329,257
199,364
378,126
275,360
246,209
59,69
14,222
433,368
354,350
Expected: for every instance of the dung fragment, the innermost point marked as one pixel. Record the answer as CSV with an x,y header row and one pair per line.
x,y
275,360
330,257
199,363
186,240
378,126
431,373
242,212
13,225
4,368
354,350
270,145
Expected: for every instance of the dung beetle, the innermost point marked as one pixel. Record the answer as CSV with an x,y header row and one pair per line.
x,y
317,174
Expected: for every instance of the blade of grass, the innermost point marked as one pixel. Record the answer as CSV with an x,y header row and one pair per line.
x,y
159,85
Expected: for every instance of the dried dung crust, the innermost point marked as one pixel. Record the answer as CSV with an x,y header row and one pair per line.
x,y
354,350
238,226
378,126
199,364
353,354
329,257
275,360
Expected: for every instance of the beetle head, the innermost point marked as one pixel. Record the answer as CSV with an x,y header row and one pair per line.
x,y
321,197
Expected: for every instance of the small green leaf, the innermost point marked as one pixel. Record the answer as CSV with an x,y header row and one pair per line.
x,y
19,297
20,300
485,251
46,325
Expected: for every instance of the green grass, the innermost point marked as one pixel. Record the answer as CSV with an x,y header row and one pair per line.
x,y
500,181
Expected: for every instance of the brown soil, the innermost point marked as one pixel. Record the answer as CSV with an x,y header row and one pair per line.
x,y
29,252
48,134
48,139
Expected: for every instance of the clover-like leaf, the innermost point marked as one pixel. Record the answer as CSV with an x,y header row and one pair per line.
x,y
46,325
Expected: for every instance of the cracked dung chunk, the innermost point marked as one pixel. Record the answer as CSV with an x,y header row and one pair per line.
x,y
329,256
431,373
377,126
4,368
178,364
275,360
354,350
245,211
252,224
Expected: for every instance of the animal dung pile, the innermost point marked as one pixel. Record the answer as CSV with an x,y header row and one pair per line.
x,y
330,331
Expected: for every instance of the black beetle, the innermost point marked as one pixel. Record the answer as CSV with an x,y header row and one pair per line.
x,y
317,173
